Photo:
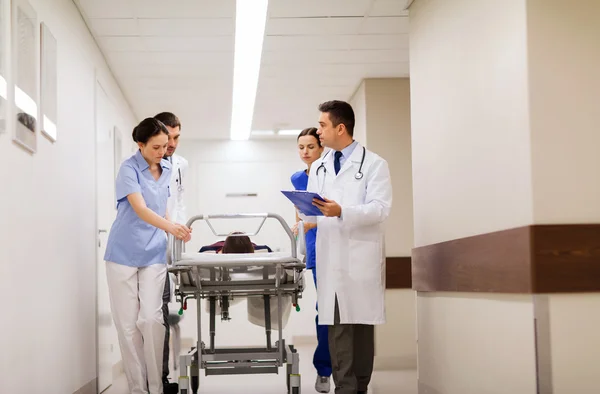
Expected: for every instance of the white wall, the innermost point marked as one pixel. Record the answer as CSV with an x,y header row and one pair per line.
x,y
358,101
574,343
48,234
473,343
263,167
388,124
564,59
470,118
471,175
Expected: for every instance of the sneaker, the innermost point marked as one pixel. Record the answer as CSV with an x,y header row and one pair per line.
x,y
322,385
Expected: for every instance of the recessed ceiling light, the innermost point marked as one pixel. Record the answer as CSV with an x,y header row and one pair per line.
x,y
250,20
289,132
263,132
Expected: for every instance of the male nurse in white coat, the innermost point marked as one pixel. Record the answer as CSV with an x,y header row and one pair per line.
x,y
356,185
177,213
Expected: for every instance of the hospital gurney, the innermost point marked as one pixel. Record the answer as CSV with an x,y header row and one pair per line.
x,y
223,277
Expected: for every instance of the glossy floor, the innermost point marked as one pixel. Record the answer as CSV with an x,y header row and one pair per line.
x,y
383,382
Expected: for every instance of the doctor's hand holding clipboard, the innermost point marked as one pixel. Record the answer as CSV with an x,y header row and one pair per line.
x,y
305,201
312,204
327,207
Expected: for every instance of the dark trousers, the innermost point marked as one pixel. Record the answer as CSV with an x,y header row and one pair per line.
x,y
165,310
352,349
321,358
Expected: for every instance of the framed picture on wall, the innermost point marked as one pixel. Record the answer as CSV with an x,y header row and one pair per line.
x,y
25,75
49,84
4,63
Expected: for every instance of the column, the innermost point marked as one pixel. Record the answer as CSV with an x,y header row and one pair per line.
x,y
382,110
506,180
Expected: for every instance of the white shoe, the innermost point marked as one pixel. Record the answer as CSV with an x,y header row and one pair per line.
x,y
323,384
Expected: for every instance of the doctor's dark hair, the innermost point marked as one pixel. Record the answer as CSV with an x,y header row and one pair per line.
x,y
169,119
339,112
236,243
147,129
310,131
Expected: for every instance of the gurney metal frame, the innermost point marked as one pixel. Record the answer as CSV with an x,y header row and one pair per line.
x,y
235,361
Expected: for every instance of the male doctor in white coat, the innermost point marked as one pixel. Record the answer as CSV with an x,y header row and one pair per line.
x,y
175,204
177,214
350,248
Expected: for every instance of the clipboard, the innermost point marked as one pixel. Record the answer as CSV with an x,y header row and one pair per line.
x,y
303,201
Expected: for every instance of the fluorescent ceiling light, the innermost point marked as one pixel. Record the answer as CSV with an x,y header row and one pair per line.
x,y
263,132
25,103
250,20
289,132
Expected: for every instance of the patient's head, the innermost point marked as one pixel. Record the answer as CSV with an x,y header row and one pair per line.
x,y
237,244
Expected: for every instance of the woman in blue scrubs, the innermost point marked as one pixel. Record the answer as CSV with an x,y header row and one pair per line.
x,y
136,257
310,149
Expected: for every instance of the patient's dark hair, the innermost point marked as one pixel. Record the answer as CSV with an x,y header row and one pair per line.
x,y
238,244
147,129
310,131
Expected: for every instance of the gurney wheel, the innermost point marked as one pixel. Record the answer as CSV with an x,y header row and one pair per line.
x,y
195,384
287,379
295,381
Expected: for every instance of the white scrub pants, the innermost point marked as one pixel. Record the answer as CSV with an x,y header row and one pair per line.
x,y
136,304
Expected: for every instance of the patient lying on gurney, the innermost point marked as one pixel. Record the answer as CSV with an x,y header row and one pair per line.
x,y
237,243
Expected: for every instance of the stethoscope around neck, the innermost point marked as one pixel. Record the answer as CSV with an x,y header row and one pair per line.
x,y
359,174
178,180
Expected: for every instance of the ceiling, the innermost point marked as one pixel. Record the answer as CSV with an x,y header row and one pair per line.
x,y
178,56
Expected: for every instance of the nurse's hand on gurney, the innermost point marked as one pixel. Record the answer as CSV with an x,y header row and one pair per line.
x,y
180,232
149,216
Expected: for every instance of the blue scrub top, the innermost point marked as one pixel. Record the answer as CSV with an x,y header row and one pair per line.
x,y
133,242
300,182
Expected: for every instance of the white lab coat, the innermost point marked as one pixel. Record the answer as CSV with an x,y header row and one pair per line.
x,y
350,251
175,204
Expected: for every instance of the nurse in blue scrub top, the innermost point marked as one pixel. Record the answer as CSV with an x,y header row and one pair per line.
x,y
136,257
310,149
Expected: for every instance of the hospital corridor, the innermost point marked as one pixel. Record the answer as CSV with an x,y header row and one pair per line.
x,y
300,196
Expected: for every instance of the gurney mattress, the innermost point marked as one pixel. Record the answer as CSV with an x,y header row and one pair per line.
x,y
234,267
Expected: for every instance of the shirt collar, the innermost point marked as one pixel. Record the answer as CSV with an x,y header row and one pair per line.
x,y
347,151
143,164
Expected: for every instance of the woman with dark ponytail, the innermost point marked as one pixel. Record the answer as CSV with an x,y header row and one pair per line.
x,y
136,256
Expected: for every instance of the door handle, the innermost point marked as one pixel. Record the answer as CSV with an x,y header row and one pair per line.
x,y
100,231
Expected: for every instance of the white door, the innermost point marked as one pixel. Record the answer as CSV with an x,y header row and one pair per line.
x,y
105,211
265,179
